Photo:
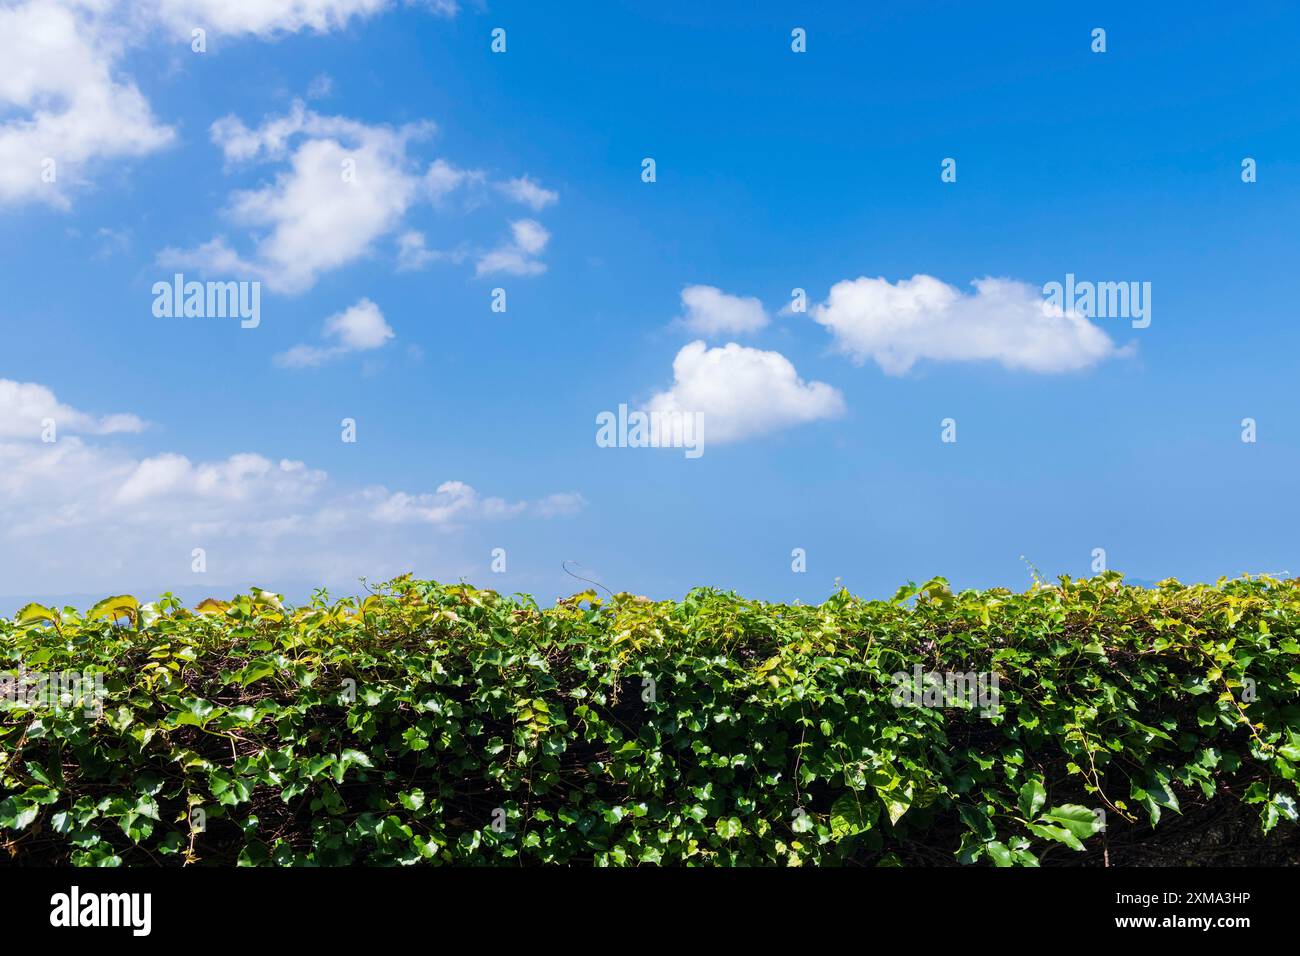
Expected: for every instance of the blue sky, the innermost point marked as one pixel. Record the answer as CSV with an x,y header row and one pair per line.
x,y
775,170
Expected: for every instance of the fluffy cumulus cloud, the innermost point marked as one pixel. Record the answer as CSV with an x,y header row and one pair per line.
x,y
450,501
517,256
897,324
82,511
65,104
743,392
710,312
341,186
67,107
360,328
173,479
27,410
65,98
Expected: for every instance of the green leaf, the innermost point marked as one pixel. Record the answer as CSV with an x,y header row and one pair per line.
x,y
1059,834
255,671
728,828
1000,854
34,614
123,605
1160,792
1032,798
1080,821
977,819
194,711
1285,805
897,802
43,796
1291,749
851,814
16,814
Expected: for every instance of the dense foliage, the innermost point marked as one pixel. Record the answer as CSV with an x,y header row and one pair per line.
x,y
446,724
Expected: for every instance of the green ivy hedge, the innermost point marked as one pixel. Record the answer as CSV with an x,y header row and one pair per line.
x,y
445,724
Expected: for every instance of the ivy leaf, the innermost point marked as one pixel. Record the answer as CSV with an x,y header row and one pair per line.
x,y
114,607
1160,792
1291,750
17,815
852,814
1080,821
1000,854
34,614
897,803
727,827
255,671
195,712
1285,805
1059,834
1032,798
977,819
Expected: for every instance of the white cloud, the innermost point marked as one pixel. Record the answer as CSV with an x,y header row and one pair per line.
x,y
517,256
264,18
446,8
413,252
346,185
526,191
270,18
360,327
442,179
239,478
455,501
357,329
452,501
66,108
742,392
61,83
712,312
25,406
86,514
561,504
898,324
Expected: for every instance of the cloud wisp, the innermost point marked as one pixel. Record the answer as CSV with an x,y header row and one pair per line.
x,y
898,324
72,497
